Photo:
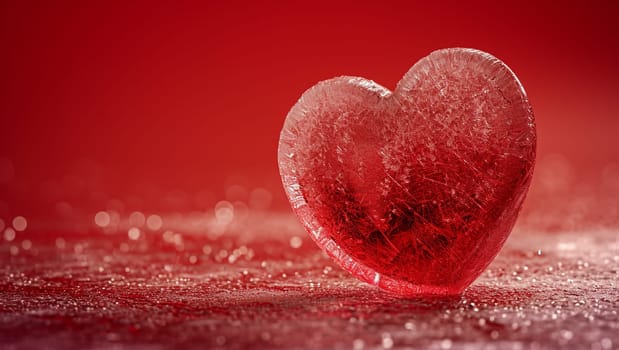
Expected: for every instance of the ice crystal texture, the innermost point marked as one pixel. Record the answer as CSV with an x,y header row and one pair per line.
x,y
414,190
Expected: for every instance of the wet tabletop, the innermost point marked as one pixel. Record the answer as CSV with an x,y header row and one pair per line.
x,y
264,284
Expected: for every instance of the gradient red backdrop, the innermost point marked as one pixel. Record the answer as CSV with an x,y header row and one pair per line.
x,y
163,105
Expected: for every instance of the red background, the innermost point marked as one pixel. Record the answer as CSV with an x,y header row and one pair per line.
x,y
163,106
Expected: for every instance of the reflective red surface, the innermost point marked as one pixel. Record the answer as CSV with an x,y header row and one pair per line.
x,y
264,284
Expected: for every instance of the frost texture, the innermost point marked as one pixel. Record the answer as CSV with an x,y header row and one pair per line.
x,y
416,190
544,291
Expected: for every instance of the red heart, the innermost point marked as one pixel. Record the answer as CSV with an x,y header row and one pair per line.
x,y
416,190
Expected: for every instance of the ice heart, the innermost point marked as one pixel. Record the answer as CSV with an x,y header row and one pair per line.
x,y
414,191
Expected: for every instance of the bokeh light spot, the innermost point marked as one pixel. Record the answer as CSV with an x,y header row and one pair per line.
x,y
154,222
102,219
20,223
134,233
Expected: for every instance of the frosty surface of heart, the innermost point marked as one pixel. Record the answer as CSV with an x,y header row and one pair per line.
x,y
416,190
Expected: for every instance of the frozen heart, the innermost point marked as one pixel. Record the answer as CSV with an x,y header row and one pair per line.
x,y
414,190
